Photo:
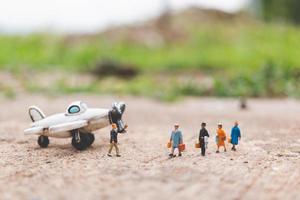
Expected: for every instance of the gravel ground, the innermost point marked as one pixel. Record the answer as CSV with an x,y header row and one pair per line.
x,y
266,165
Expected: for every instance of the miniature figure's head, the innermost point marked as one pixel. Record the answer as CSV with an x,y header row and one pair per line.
x,y
236,123
114,126
176,126
220,125
203,125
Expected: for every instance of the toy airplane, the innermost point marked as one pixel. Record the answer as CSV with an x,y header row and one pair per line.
x,y
77,122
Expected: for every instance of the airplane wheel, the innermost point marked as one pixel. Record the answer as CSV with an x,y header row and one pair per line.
x,y
84,142
92,138
43,141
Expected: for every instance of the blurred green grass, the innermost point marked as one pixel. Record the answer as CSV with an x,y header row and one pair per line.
x,y
243,60
225,47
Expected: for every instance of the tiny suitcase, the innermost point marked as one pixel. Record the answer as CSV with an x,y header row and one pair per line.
x,y
169,145
181,147
197,145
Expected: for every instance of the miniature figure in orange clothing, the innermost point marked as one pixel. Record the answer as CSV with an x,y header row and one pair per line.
x,y
220,138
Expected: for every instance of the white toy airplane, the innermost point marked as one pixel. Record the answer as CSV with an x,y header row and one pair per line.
x,y
77,122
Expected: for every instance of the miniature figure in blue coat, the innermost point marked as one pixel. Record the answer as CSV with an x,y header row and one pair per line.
x,y
176,139
235,135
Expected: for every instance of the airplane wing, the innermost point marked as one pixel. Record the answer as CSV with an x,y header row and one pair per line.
x,y
68,126
34,130
56,128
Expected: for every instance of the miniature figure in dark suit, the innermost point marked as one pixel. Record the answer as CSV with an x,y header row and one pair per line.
x,y
114,140
203,133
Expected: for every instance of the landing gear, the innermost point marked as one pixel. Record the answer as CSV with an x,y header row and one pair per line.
x,y
92,138
43,141
81,141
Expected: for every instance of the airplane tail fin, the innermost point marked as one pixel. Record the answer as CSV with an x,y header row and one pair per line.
x,y
35,113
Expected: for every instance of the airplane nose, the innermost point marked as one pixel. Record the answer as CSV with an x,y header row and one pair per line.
x,y
116,116
122,107
119,107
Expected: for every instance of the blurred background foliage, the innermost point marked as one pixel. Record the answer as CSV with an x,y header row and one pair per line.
x,y
195,52
280,10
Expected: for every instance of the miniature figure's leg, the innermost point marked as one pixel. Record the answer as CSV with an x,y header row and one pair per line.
x,y
218,149
172,152
117,149
203,150
233,148
110,148
202,145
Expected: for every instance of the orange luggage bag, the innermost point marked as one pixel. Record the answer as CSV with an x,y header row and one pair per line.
x,y
197,145
169,145
181,147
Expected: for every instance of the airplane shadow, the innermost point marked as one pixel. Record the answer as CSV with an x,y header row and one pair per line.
x,y
69,149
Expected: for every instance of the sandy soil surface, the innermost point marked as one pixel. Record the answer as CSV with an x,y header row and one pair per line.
x,y
266,165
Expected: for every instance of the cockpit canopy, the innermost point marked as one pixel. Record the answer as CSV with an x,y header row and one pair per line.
x,y
76,108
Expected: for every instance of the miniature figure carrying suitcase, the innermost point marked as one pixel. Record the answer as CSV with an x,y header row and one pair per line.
x,y
181,147
169,145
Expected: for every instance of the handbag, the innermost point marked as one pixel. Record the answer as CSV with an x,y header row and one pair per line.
x,y
181,147
169,145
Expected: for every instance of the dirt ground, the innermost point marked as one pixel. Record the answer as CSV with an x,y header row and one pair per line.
x,y
266,165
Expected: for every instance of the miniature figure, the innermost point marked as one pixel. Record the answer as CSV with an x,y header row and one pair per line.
x,y
202,138
235,135
77,122
243,103
176,140
220,138
114,140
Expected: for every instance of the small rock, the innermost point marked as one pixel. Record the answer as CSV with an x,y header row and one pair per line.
x,y
245,161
